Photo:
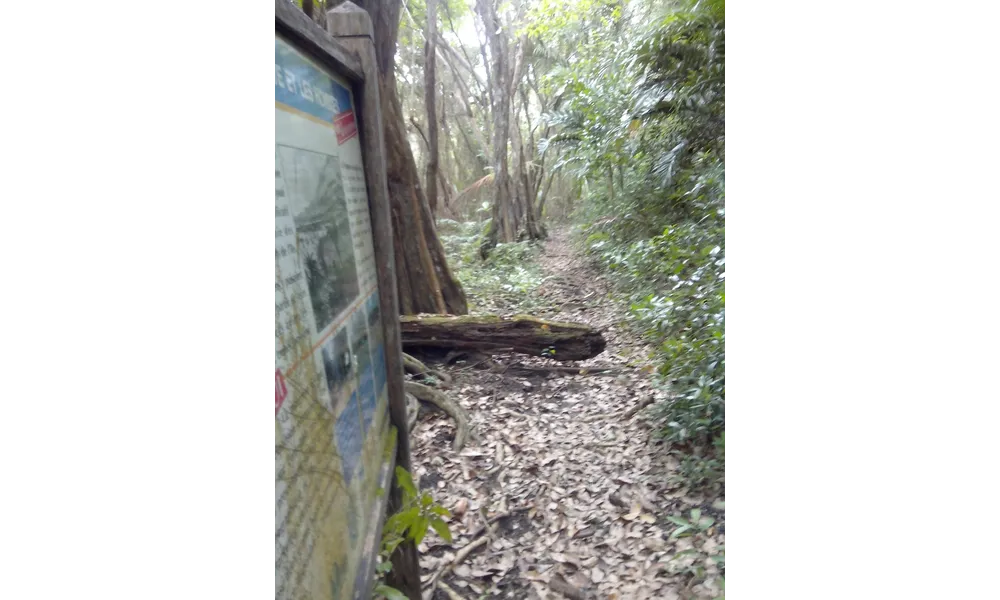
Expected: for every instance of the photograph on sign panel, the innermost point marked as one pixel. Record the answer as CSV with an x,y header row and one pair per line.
x,y
323,230
339,367
360,348
359,340
377,346
350,441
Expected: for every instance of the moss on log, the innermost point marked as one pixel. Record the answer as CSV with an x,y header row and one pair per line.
x,y
521,333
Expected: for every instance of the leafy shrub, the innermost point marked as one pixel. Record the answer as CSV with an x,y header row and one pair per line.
x,y
419,514
508,278
676,280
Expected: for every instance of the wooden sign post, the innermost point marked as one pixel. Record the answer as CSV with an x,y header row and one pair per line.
x,y
340,409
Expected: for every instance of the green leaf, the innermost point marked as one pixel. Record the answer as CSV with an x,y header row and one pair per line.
x,y
419,529
408,518
390,593
678,521
405,481
441,511
695,515
389,547
442,529
679,531
426,500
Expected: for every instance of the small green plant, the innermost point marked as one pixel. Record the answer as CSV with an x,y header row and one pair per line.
x,y
701,561
418,515
686,528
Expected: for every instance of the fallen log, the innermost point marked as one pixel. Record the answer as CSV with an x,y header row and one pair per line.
x,y
520,333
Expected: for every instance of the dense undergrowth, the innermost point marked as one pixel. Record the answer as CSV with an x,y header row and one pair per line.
x,y
504,282
644,131
675,285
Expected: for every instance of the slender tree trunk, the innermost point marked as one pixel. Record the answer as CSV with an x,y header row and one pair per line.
x,y
504,223
424,280
445,185
544,196
526,193
430,100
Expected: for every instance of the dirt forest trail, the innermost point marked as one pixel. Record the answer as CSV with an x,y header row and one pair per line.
x,y
564,490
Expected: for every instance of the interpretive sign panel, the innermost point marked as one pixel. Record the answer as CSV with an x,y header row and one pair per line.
x,y
333,443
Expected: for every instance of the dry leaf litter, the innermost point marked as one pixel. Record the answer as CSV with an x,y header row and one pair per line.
x,y
570,495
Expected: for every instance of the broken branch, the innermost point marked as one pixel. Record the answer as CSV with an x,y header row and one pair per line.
x,y
642,404
495,518
459,558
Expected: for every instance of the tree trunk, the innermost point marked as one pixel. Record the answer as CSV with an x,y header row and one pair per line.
x,y
444,181
424,280
525,335
504,224
430,89
544,195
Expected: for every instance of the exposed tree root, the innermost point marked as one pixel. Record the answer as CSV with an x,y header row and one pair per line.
x,y
417,368
453,409
452,594
412,411
414,366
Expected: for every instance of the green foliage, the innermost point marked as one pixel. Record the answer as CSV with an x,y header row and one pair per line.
x,y
693,561
640,122
687,528
507,279
641,113
677,282
389,593
418,514
702,467
413,20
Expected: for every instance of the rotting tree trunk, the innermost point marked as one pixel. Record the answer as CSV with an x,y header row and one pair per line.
x,y
522,334
423,278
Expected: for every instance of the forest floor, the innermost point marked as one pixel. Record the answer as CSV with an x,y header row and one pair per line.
x,y
581,498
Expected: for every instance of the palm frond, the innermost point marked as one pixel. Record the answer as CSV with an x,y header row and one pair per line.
x,y
475,187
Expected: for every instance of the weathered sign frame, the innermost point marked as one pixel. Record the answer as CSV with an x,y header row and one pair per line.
x,y
348,50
